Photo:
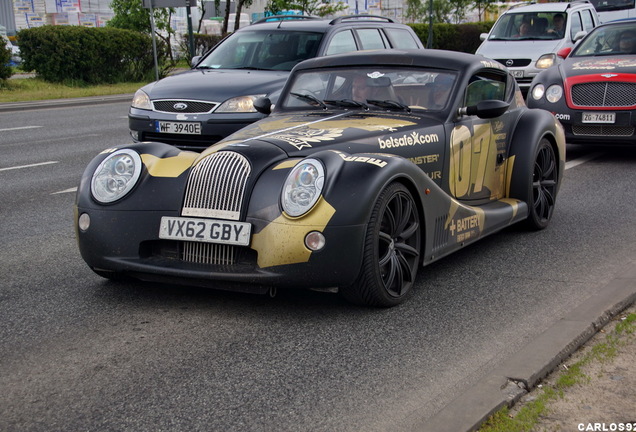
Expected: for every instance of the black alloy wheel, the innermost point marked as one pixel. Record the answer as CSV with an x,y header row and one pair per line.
x,y
545,182
391,255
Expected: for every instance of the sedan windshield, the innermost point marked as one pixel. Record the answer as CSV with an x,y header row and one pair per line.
x,y
529,26
608,40
262,50
370,88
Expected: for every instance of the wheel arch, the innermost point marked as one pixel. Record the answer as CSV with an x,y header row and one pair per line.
x,y
534,125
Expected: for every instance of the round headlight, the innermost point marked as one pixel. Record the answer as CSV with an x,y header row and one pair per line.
x,y
554,93
303,187
141,100
116,176
538,91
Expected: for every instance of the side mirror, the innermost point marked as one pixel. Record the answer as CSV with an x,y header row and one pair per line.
x,y
195,60
483,36
486,109
263,105
579,35
564,52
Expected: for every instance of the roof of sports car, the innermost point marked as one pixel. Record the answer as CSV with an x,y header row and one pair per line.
x,y
430,58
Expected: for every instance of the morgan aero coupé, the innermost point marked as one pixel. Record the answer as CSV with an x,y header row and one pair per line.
x,y
369,166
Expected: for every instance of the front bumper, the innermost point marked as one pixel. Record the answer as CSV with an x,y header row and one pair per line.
x,y
622,131
127,243
214,127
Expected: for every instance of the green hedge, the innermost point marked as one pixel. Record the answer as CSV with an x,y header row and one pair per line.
x,y
454,37
5,57
89,55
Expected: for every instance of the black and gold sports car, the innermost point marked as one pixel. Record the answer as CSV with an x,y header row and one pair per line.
x,y
371,165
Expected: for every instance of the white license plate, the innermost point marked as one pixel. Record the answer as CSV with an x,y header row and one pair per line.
x,y
599,117
205,230
189,128
517,73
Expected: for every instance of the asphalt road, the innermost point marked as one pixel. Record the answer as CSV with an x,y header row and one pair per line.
x,y
80,353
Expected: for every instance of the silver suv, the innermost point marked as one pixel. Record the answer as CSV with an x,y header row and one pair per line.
x,y
526,38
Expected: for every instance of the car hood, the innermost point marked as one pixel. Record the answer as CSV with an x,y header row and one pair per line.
x,y
300,135
519,49
598,65
216,85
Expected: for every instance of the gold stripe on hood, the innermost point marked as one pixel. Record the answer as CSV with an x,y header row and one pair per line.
x,y
170,166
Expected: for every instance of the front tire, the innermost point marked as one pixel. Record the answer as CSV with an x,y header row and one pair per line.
x,y
391,254
544,185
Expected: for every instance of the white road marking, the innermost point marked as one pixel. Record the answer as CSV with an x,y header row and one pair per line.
x,y
29,166
73,189
582,160
20,128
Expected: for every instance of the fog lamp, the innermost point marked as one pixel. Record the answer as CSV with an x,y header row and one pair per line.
x,y
315,241
84,222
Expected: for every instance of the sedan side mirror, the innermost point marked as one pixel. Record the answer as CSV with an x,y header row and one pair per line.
x,y
263,105
195,60
486,109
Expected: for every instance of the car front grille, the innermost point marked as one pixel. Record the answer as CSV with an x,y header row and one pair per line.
x,y
603,130
183,106
514,62
215,189
604,94
208,253
216,186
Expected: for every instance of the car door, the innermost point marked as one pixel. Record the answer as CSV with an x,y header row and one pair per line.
x,y
478,146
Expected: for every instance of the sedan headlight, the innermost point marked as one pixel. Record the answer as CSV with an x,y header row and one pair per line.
x,y
303,187
554,93
141,100
545,61
239,104
116,176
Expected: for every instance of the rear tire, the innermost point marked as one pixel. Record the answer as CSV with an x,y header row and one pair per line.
x,y
543,187
391,254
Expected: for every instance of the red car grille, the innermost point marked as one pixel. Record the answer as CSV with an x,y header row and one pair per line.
x,y
604,94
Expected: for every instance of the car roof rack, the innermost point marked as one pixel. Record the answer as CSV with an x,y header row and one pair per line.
x,y
360,17
285,17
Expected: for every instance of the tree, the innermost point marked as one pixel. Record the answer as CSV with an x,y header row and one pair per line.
x,y
239,8
485,5
131,15
306,7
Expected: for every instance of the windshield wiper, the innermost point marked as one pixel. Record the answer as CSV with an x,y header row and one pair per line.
x,y
250,68
389,104
310,99
346,103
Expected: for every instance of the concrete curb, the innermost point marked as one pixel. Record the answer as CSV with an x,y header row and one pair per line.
x,y
523,371
56,103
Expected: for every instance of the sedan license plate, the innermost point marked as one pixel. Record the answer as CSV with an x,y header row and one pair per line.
x,y
189,128
205,230
599,117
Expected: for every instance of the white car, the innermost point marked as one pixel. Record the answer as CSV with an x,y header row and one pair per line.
x,y
526,38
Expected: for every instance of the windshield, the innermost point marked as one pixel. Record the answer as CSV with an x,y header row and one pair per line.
x,y
608,40
266,50
370,88
524,26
